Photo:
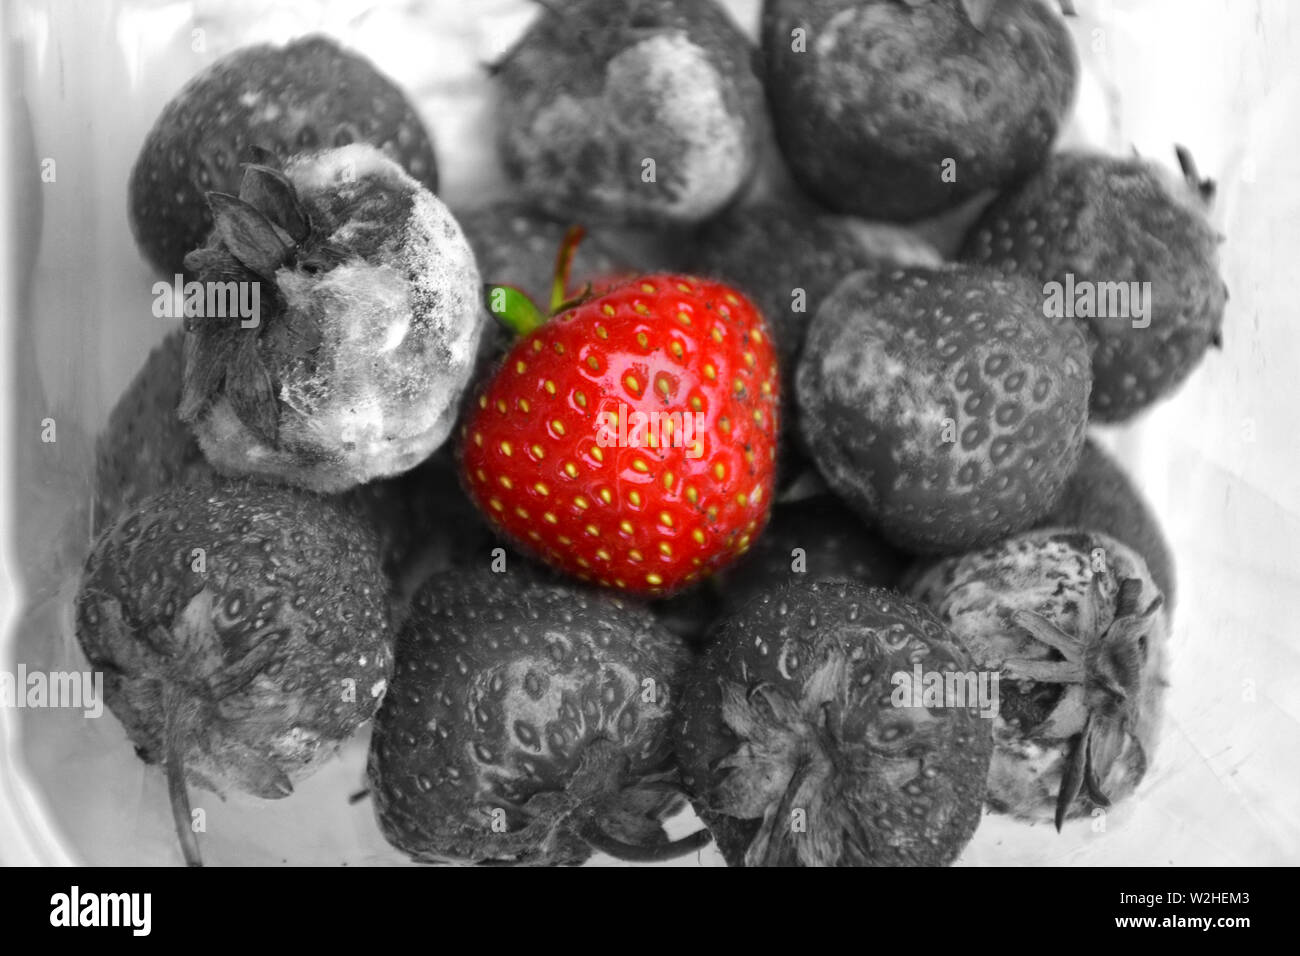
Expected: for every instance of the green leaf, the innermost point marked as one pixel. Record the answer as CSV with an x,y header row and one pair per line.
x,y
514,309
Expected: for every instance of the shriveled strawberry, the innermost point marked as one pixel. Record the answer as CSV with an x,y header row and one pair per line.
x,y
367,326
942,404
1092,229
527,724
309,94
1073,621
795,746
242,630
557,453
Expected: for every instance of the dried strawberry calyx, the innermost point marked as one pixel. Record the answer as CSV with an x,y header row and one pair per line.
x,y
791,757
1204,188
601,809
175,731
1101,668
194,693
254,235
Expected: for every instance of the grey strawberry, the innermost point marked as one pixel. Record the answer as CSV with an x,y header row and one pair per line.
x,y
1104,225
242,630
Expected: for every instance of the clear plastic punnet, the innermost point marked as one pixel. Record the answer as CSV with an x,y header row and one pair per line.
x,y
1218,461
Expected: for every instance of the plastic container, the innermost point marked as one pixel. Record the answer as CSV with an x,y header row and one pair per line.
x,y
1220,462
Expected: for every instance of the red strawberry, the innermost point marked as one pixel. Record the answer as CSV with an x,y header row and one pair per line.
x,y
304,96
647,510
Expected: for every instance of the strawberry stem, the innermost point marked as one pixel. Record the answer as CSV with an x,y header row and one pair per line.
x,y
1204,188
564,266
514,309
174,765
602,842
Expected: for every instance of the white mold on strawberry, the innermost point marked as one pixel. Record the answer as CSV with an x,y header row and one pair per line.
x,y
633,112
370,321
1075,624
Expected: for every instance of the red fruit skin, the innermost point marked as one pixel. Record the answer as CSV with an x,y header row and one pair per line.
x,y
644,519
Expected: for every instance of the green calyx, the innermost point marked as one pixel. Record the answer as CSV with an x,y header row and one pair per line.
x,y
514,309
517,312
